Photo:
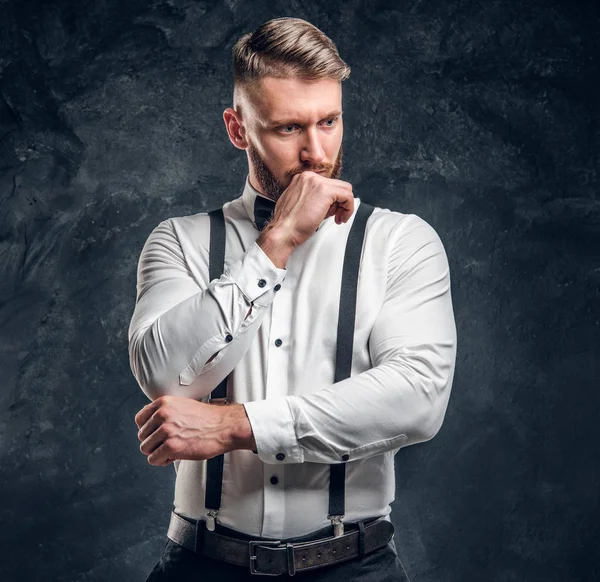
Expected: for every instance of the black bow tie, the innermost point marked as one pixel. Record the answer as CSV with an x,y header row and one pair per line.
x,y
263,211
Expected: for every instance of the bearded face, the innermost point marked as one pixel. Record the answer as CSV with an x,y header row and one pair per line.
x,y
273,187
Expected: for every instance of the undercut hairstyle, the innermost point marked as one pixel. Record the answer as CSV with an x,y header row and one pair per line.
x,y
284,47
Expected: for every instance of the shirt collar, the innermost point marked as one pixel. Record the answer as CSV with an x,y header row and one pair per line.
x,y
248,196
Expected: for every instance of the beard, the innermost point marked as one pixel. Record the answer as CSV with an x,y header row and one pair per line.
x,y
272,187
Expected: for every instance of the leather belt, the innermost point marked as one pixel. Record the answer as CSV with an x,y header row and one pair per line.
x,y
274,557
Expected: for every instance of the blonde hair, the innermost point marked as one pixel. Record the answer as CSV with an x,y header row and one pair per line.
x,y
285,47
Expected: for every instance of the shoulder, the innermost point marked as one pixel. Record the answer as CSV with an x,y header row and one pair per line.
x,y
400,229
195,227
179,231
188,236
399,243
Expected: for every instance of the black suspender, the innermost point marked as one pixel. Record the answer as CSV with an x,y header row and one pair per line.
x,y
343,360
214,466
216,258
345,343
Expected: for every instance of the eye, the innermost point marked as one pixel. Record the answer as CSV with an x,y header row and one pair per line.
x,y
284,127
332,121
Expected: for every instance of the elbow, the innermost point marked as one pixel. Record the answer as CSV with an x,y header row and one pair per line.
x,y
152,389
425,423
148,376
149,385
430,421
436,386
431,405
156,377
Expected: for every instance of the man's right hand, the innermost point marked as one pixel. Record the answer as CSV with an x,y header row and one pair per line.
x,y
305,203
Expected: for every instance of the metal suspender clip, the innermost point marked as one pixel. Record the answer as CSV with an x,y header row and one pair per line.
x,y
211,519
338,524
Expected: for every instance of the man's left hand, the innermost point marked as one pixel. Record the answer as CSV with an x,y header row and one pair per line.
x,y
173,427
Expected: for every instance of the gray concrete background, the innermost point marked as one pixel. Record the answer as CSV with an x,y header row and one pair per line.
x,y
480,117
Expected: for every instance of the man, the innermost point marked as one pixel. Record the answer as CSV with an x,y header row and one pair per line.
x,y
269,325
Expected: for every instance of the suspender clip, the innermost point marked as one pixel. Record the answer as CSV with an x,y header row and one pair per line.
x,y
211,519
338,525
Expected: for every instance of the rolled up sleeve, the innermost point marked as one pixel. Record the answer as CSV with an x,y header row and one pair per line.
x,y
180,321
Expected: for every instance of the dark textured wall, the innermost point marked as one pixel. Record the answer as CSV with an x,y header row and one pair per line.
x,y
481,117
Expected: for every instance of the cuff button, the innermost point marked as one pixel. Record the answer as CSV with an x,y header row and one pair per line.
x,y
345,457
277,287
228,337
280,456
261,282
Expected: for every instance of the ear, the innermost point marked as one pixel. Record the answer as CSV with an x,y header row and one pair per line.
x,y
235,128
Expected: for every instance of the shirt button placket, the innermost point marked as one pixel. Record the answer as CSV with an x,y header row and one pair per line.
x,y
277,385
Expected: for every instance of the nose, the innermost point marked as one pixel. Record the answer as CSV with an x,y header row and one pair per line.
x,y
312,150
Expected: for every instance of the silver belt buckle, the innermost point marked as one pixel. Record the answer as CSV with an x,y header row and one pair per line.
x,y
253,558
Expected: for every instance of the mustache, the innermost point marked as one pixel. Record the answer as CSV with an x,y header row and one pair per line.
x,y
295,171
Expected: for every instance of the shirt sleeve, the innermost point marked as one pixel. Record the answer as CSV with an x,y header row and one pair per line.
x,y
402,399
179,321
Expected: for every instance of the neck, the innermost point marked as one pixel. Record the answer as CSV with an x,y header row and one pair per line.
x,y
254,183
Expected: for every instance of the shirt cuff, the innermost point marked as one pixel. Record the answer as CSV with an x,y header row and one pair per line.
x,y
256,275
273,428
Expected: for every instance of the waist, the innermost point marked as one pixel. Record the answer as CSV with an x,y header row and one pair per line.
x,y
284,502
314,535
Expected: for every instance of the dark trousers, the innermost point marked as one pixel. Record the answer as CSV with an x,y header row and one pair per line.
x,y
178,564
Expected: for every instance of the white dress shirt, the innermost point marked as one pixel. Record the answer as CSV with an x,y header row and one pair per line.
x,y
402,368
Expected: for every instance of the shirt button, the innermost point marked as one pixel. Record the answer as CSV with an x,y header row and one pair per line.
x,y
228,337
277,287
274,480
261,282
278,342
280,456
345,457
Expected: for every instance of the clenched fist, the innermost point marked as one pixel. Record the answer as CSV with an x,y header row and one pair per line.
x,y
173,427
307,201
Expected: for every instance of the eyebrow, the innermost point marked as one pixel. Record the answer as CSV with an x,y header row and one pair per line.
x,y
278,122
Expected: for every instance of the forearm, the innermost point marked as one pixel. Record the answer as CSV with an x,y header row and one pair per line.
x,y
396,404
